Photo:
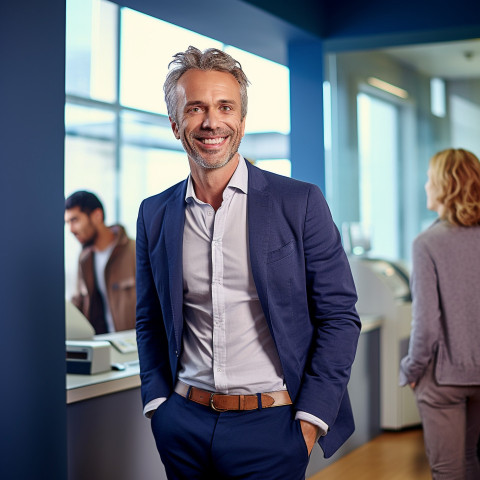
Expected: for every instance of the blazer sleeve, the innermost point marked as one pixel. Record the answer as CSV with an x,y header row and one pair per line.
x,y
426,315
336,325
151,338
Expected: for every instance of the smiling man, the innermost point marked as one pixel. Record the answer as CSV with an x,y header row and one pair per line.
x,y
246,320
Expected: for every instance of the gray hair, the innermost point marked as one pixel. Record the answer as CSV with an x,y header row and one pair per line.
x,y
210,59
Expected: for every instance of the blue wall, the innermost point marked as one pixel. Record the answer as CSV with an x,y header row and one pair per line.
x,y
306,112
32,366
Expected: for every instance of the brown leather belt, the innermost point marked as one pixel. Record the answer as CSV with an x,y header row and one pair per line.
x,y
223,403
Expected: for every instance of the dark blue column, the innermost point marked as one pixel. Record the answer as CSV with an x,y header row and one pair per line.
x,y
305,61
32,325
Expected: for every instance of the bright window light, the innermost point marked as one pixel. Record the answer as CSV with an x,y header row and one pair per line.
x,y
268,94
91,49
437,97
281,166
148,45
327,115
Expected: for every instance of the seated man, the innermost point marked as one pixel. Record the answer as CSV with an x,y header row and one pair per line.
x,y
106,269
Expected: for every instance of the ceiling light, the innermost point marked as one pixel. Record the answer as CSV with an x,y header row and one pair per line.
x,y
387,87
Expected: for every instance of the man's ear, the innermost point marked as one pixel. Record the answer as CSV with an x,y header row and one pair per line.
x,y
97,216
174,128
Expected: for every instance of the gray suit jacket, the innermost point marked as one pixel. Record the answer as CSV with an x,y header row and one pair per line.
x,y
446,306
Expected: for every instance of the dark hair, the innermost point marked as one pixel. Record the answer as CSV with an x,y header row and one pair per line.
x,y
210,59
86,201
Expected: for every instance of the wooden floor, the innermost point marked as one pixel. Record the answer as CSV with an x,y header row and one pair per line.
x,y
390,456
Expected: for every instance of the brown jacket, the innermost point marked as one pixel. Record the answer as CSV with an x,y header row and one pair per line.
x,y
119,278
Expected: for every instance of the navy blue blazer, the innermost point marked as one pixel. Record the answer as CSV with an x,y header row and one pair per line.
x,y
303,281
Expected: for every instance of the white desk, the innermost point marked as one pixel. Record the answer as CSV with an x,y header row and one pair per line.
x,y
83,387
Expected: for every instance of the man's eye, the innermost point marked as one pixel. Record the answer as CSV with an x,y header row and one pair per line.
x,y
226,108
195,109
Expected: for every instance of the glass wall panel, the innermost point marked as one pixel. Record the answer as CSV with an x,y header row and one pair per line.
x,y
148,45
381,135
91,49
145,172
147,130
465,114
90,166
378,178
268,94
88,121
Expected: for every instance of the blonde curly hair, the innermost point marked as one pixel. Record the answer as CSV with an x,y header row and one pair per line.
x,y
456,175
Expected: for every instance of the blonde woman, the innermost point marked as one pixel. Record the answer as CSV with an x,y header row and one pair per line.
x,y
443,361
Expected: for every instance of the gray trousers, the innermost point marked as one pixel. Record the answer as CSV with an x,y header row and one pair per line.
x,y
451,427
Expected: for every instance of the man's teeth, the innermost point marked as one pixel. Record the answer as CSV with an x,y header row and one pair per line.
x,y
213,141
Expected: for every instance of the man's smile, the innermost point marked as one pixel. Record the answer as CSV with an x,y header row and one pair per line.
x,y
212,141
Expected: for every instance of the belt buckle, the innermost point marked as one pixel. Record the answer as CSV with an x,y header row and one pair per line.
x,y
212,405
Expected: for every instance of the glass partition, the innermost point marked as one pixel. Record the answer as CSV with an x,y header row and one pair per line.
x,y
387,111
91,49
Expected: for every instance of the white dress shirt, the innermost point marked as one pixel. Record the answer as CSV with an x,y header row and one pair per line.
x,y
227,345
100,260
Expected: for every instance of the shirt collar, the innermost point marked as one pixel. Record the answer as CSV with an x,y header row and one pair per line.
x,y
239,180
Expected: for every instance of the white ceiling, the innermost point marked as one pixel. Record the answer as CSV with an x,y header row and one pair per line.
x,y
452,60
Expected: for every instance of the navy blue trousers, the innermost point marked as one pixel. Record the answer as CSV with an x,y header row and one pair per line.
x,y
197,443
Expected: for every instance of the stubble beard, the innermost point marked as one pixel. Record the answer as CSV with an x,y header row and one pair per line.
x,y
91,240
197,157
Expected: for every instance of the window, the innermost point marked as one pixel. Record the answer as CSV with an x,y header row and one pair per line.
x,y
387,112
378,148
91,49
147,47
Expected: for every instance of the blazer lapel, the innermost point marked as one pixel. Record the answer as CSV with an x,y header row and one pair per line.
x,y
259,220
174,224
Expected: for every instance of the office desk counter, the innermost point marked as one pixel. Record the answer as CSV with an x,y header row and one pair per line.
x,y
83,387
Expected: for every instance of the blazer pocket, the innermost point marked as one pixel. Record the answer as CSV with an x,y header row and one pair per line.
x,y
281,252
